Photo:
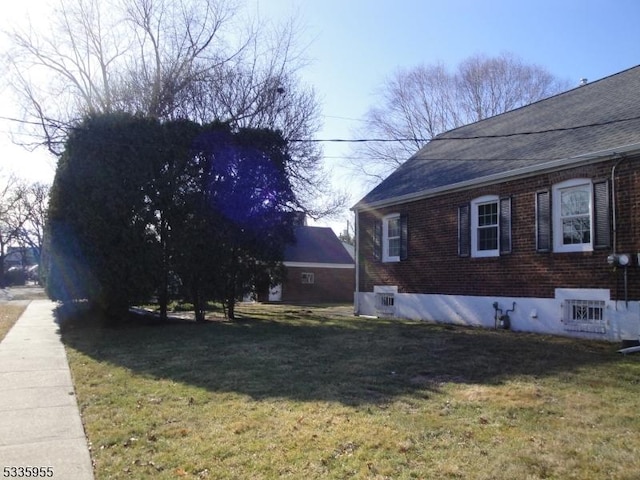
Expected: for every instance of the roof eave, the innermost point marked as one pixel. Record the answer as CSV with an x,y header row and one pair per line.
x,y
584,159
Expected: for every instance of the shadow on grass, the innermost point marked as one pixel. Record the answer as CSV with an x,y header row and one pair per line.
x,y
303,354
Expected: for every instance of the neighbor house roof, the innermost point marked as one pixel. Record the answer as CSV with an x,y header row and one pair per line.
x,y
587,121
316,245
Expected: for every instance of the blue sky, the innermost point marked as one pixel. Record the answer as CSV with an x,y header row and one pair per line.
x,y
355,44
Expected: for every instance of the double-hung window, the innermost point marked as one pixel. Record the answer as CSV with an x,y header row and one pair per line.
x,y
484,227
390,238
572,219
573,216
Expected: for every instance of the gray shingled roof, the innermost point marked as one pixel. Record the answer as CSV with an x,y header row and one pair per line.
x,y
606,111
316,245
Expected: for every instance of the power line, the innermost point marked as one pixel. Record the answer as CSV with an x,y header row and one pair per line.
x,y
475,159
350,119
355,140
440,137
443,136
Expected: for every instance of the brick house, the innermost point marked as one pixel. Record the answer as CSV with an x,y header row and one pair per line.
x,y
319,269
534,213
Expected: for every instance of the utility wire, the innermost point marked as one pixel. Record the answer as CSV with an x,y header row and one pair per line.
x,y
443,136
440,137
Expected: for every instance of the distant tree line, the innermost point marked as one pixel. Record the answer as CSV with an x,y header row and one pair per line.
x,y
23,208
142,208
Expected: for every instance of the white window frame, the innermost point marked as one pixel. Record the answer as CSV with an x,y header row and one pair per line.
x,y
307,278
475,251
385,238
558,237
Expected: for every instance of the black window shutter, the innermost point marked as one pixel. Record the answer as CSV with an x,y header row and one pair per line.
x,y
601,215
377,240
505,225
464,231
543,221
404,237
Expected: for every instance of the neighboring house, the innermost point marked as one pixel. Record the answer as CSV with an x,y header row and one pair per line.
x,y
536,210
20,257
319,269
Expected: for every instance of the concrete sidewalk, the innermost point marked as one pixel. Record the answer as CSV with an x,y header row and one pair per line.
x,y
40,423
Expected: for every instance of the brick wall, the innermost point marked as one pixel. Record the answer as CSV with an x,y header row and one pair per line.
x,y
331,285
433,264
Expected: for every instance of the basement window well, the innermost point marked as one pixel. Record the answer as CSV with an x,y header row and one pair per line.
x,y
385,303
584,316
385,299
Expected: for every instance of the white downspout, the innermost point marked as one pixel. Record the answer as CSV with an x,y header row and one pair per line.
x,y
356,299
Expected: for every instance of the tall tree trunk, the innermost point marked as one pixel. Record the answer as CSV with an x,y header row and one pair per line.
x,y
198,306
231,286
3,281
231,308
163,298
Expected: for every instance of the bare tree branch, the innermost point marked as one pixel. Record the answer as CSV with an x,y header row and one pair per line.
x,y
421,102
168,59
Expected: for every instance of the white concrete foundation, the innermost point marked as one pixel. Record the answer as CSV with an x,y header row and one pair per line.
x,y
616,320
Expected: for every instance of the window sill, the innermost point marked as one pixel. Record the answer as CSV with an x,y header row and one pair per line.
x,y
485,254
582,249
390,259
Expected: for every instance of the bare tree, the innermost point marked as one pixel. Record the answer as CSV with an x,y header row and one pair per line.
x,y
419,103
13,217
488,86
105,56
167,59
35,201
259,88
67,71
416,104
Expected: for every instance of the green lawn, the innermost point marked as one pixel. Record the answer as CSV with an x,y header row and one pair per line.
x,y
300,393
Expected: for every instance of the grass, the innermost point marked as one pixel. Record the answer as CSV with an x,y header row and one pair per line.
x,y
292,392
9,314
11,311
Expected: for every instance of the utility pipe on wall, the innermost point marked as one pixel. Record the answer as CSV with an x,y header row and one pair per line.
x,y
614,203
614,226
356,301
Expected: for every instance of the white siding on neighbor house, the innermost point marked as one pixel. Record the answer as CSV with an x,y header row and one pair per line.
x,y
621,320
